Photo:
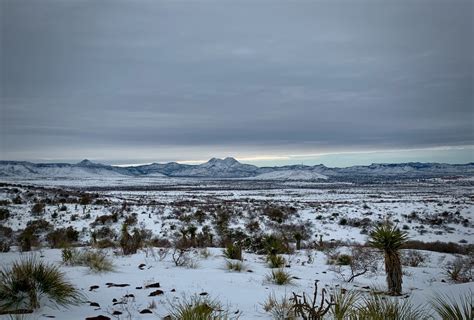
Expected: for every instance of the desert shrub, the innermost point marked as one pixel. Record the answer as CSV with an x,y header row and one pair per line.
x,y
62,237
280,309
105,243
5,246
443,247
28,280
97,261
376,307
5,232
27,239
112,218
198,308
130,243
131,220
279,277
413,258
460,270
451,308
233,251
273,244
276,261
4,213
39,225
234,265
344,260
344,304
38,208
180,253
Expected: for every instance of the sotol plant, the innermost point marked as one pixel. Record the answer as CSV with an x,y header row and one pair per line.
x,y
28,279
389,239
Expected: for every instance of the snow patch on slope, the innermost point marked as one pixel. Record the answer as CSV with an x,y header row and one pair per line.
x,y
290,175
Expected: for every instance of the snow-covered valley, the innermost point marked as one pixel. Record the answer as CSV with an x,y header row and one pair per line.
x,y
333,219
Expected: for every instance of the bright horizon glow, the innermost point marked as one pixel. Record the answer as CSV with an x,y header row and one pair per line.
x,y
440,154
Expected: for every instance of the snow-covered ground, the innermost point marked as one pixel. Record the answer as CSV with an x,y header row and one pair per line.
x,y
428,211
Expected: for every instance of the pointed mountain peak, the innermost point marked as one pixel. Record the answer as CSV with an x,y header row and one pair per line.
x,y
86,163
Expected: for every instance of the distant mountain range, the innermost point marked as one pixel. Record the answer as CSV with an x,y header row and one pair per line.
x,y
230,168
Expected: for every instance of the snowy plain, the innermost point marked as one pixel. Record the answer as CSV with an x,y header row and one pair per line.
x,y
321,206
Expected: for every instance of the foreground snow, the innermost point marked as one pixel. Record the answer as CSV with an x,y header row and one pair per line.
x,y
242,292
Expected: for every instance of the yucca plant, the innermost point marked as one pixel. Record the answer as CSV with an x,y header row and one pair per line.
x,y
280,309
233,252
450,308
28,279
389,239
276,261
345,303
280,277
235,265
377,307
198,308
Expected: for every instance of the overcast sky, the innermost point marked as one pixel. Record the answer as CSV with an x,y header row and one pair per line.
x,y
268,82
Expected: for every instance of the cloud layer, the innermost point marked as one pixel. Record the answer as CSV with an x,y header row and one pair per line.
x,y
175,80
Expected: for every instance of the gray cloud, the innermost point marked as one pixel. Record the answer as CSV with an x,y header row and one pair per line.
x,y
299,76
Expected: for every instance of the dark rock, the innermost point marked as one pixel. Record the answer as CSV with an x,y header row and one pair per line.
x,y
101,317
141,266
94,304
145,311
203,294
155,293
93,288
153,285
138,288
119,285
116,313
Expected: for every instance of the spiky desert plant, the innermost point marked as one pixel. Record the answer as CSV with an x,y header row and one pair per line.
x,y
233,252
235,265
276,261
377,307
280,277
345,302
280,309
198,308
28,279
450,308
389,239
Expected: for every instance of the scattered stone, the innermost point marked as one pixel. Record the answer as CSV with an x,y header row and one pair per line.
x,y
129,295
153,285
366,287
145,311
142,266
114,300
168,317
203,294
94,304
116,313
155,293
101,317
173,290
138,288
119,285
296,278
93,288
